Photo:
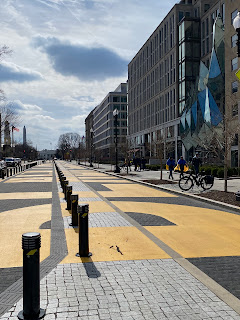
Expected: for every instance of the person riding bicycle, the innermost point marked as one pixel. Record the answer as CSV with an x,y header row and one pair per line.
x,y
181,162
196,161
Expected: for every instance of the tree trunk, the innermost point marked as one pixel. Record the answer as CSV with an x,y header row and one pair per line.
x,y
225,162
161,175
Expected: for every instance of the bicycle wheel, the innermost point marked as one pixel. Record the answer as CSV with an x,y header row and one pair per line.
x,y
204,185
185,183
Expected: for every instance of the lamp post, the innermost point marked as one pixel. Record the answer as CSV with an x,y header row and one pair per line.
x,y
91,146
236,25
115,114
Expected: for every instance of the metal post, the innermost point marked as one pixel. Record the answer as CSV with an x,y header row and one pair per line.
x,y
91,146
117,169
69,192
83,211
31,243
74,204
65,183
62,182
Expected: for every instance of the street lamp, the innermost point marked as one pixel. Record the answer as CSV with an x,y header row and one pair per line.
x,y
91,146
236,25
115,114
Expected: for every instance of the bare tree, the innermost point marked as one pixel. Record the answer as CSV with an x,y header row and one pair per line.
x,y
157,149
4,50
68,143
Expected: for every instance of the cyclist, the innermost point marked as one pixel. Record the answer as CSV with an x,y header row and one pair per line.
x,y
181,162
196,161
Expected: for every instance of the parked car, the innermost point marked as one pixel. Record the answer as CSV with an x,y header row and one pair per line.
x,y
10,162
18,161
3,169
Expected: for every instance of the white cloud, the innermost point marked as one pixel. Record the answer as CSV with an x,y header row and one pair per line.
x,y
56,103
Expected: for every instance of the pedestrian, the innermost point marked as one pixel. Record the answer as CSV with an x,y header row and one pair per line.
x,y
138,164
196,161
171,165
144,163
128,164
135,164
181,163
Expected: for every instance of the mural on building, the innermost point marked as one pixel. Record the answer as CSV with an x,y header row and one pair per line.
x,y
202,119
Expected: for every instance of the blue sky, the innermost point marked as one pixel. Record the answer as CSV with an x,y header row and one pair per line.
x,y
67,55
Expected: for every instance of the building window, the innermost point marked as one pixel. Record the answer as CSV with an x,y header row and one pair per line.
x,y
206,7
234,63
203,30
180,15
234,14
234,86
223,13
235,110
234,40
116,99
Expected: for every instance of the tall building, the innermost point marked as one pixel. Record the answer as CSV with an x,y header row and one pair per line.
x,y
24,135
163,80
231,82
100,125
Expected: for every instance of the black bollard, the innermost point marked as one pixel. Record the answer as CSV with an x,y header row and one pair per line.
x,y
69,192
62,182
65,184
83,211
74,204
31,243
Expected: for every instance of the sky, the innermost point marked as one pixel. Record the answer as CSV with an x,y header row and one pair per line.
x,y
66,56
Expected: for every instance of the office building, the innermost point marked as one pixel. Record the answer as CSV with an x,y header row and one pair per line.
x,y
231,82
164,103
100,125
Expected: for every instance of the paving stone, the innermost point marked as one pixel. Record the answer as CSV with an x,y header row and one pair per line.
x,y
101,220
115,284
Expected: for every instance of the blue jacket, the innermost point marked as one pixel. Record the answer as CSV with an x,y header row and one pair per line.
x,y
181,162
171,163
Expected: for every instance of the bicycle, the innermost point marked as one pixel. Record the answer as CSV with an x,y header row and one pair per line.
x,y
186,182
125,168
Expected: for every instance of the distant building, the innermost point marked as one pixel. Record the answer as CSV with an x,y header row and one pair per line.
x,y
100,127
46,154
24,135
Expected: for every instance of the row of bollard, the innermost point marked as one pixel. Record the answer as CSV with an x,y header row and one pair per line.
x,y
79,215
9,172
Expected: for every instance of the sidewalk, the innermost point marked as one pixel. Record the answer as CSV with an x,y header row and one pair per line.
x,y
233,183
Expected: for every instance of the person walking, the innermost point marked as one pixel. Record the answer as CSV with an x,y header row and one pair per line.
x,y
196,161
143,162
135,164
171,165
181,163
